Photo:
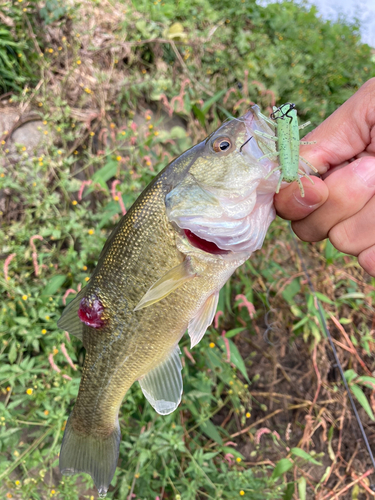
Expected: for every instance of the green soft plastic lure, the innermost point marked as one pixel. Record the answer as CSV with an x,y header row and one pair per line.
x,y
284,122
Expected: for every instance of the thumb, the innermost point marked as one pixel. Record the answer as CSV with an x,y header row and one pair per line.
x,y
290,205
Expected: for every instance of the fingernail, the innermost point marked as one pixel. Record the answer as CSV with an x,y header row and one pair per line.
x,y
311,199
365,169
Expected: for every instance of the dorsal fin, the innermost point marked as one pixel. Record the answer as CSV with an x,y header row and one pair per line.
x,y
69,320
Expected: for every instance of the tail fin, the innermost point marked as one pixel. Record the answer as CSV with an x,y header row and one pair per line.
x,y
94,455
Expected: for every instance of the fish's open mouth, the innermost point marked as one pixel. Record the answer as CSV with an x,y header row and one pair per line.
x,y
205,245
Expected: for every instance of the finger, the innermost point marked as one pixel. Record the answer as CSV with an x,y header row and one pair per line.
x,y
346,133
366,260
290,205
350,189
355,234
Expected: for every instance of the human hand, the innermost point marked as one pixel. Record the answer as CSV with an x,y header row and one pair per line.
x,y
341,205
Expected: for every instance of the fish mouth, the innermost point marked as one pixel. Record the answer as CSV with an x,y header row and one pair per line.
x,y
202,244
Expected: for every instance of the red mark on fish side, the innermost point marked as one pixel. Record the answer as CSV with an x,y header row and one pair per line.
x,y
90,312
206,246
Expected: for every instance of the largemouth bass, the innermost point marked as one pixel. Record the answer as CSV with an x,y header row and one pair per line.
x,y
159,274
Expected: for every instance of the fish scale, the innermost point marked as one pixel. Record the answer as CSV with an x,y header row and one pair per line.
x,y
159,274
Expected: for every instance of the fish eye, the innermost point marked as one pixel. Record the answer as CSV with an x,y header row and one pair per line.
x,y
221,144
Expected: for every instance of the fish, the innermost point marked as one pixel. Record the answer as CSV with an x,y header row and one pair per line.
x,y
158,275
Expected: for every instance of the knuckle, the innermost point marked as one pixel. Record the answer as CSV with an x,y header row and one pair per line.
x,y
340,238
366,260
306,232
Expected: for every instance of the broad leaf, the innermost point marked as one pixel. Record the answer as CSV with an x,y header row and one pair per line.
x,y
282,466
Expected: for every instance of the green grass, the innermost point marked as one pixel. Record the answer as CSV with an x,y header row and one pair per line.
x,y
210,448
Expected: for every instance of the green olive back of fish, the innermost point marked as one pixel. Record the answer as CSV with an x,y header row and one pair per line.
x,y
158,275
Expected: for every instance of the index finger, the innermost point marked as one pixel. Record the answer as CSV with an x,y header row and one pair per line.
x,y
346,133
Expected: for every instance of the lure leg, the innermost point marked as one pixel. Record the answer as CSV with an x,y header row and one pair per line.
x,y
301,187
272,171
309,164
279,183
269,155
267,136
270,122
301,172
304,125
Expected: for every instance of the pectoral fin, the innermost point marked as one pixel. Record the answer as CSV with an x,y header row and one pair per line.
x,y
199,324
172,280
162,386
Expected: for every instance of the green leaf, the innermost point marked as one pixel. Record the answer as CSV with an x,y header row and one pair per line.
x,y
235,356
353,295
211,431
366,381
301,323
104,174
303,454
362,400
53,285
21,320
302,488
199,114
232,333
291,290
282,466
206,106
324,298
289,491
12,354
350,375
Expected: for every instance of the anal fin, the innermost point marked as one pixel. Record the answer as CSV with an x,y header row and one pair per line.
x,y
162,386
172,280
199,324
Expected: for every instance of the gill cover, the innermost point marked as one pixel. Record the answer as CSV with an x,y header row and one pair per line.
x,y
219,200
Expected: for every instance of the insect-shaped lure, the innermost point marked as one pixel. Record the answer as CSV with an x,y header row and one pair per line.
x,y
284,122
